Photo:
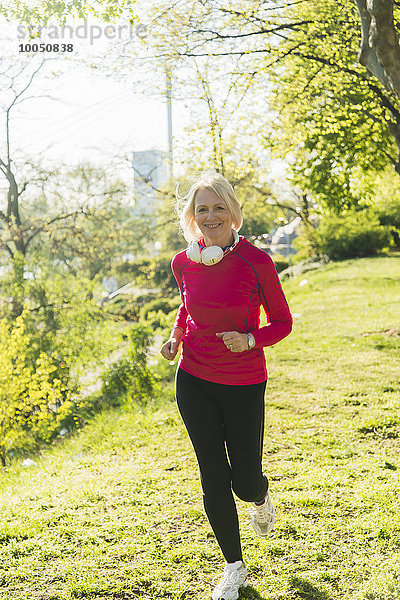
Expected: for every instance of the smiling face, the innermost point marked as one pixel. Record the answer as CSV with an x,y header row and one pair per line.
x,y
213,218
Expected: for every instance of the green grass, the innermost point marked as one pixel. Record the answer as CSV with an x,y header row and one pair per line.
x,y
116,511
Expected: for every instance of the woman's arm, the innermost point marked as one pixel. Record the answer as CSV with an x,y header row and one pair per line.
x,y
170,348
275,305
181,318
182,314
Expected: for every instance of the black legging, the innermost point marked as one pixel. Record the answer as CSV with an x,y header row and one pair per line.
x,y
216,414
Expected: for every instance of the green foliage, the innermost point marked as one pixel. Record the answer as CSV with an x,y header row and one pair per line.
x,y
165,372
387,203
66,321
384,212
123,307
13,284
58,339
150,272
129,380
355,234
43,12
165,305
389,213
330,119
280,262
161,321
35,395
258,210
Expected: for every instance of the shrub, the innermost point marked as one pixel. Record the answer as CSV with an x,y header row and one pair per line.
x,y
35,398
165,305
356,234
153,272
48,354
388,213
123,307
129,380
280,262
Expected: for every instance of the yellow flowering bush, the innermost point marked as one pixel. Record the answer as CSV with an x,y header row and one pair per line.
x,y
33,400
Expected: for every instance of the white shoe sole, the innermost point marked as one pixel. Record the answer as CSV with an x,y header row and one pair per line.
x,y
242,585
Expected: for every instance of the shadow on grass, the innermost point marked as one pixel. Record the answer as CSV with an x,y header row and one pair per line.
x,y
250,593
305,589
300,587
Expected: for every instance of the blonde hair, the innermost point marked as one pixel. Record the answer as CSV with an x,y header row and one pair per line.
x,y
212,181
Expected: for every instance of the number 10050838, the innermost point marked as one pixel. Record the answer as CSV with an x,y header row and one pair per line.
x,y
46,47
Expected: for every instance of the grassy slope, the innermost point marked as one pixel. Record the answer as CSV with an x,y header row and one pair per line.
x,y
117,512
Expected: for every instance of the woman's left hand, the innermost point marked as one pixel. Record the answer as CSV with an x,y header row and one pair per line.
x,y
234,341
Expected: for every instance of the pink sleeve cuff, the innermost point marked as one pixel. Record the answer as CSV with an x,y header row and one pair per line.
x,y
272,333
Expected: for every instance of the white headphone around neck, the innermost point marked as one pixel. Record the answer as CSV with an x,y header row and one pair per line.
x,y
210,255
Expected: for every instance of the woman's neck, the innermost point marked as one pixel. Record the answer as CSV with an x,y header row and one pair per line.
x,y
222,243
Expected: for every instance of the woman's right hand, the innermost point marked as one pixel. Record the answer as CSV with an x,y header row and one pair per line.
x,y
170,349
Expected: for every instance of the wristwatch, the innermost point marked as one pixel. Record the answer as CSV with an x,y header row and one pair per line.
x,y
251,341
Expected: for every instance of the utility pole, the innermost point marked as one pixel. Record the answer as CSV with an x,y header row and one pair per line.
x,y
169,115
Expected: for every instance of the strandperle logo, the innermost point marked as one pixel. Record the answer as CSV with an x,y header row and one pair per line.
x,y
85,31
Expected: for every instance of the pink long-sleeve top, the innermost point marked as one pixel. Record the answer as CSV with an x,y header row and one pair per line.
x,y
227,296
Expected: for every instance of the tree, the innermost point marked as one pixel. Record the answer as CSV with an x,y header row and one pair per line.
x,y
16,232
104,231
218,28
336,123
267,38
379,48
210,21
313,45
77,218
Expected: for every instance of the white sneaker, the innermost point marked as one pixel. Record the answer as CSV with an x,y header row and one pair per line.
x,y
263,517
235,576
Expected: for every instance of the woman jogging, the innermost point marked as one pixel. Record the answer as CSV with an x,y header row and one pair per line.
x,y
221,376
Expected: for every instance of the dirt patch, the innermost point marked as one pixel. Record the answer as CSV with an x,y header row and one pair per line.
x,y
392,332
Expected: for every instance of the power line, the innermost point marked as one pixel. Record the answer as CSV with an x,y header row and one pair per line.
x,y
86,119
82,113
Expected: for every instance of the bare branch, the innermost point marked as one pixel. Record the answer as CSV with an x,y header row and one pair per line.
x,y
45,225
36,97
261,31
147,181
267,194
33,75
23,187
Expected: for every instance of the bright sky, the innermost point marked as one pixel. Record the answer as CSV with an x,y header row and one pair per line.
x,y
95,112
92,112
95,115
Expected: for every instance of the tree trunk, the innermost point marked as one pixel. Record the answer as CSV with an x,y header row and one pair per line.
x,y
18,266
379,48
394,129
396,237
305,210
